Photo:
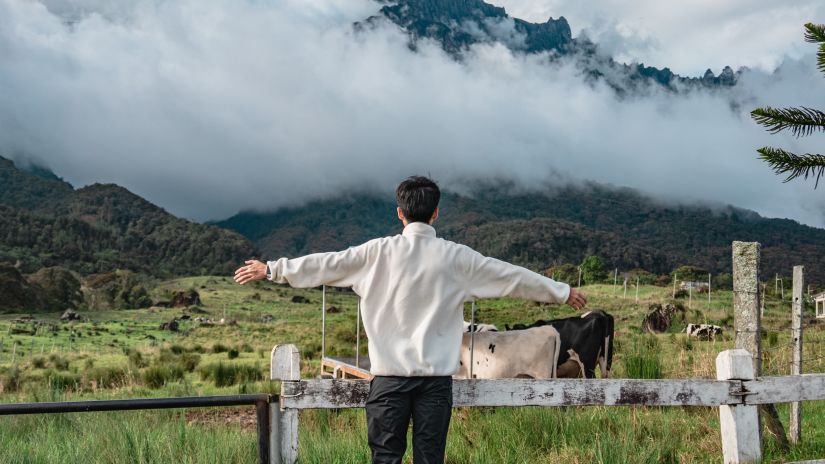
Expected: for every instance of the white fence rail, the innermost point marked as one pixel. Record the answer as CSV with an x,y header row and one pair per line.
x,y
735,392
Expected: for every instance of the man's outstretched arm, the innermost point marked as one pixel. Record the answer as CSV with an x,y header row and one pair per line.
x,y
492,278
339,269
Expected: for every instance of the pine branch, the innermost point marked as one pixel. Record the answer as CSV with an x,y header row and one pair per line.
x,y
820,58
815,33
800,121
784,162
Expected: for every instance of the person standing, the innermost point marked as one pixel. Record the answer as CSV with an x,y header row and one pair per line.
x,y
413,287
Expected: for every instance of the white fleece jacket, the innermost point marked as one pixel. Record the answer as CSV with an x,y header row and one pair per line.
x,y
413,287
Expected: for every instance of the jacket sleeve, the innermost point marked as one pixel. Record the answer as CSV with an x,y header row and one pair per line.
x,y
490,278
338,269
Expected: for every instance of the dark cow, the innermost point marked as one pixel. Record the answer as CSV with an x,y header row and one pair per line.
x,y
586,341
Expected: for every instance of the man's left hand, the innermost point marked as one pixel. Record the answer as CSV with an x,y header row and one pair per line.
x,y
254,270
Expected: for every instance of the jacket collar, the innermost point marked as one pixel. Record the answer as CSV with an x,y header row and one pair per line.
x,y
419,228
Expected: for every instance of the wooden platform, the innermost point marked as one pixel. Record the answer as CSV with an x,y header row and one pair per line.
x,y
345,368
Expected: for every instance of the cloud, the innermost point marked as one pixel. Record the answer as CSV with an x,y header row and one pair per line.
x,y
207,108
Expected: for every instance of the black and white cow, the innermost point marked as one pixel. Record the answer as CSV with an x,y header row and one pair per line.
x,y
704,331
586,341
479,327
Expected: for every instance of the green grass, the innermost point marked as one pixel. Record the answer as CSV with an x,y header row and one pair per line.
x,y
124,354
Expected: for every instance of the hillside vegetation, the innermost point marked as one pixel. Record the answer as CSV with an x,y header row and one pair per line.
x,y
45,222
551,227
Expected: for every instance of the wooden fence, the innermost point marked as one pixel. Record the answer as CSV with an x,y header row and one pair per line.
x,y
736,393
739,391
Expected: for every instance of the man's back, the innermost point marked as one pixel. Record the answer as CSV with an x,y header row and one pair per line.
x,y
413,287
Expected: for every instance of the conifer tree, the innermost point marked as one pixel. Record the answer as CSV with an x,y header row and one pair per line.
x,y
801,122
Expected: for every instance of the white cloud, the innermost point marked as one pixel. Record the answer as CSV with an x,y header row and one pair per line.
x,y
689,36
210,107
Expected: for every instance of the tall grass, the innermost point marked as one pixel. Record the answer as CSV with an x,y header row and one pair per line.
x,y
644,360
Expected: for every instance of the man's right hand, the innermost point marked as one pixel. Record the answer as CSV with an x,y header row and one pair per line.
x,y
576,299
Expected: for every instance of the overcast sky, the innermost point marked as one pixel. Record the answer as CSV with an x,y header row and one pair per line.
x,y
208,108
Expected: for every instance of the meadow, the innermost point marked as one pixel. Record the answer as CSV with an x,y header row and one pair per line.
x,y
125,354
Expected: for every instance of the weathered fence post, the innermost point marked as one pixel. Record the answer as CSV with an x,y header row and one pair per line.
x,y
748,323
286,367
796,335
739,424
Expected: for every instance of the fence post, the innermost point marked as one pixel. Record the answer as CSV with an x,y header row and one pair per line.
x,y
747,321
739,424
796,335
286,367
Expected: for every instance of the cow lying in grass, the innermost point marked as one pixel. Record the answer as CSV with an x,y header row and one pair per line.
x,y
585,342
529,353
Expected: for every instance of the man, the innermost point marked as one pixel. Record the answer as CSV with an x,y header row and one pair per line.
x,y
412,287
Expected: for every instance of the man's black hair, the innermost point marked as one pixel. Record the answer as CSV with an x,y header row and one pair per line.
x,y
417,197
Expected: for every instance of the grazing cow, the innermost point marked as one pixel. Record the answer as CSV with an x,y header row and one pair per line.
x,y
704,331
586,341
530,353
480,327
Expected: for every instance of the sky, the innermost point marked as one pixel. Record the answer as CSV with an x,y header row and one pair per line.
x,y
209,108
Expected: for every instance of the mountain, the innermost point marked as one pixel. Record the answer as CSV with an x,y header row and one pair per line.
x,y
458,24
553,226
44,222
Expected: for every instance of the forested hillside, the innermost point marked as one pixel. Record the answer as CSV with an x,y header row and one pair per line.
x,y
99,228
544,228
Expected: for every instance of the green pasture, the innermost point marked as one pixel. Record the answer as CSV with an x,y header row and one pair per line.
x,y
125,354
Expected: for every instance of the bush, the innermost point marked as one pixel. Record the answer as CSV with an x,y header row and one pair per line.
x,y
197,348
159,375
136,359
38,362
58,362
189,361
177,349
11,380
219,348
247,348
232,354
593,270
566,273
225,375
106,377
62,380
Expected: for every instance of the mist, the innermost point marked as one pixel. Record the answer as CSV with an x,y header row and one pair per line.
x,y
209,108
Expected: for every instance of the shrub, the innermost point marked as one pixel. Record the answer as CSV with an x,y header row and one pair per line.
x,y
197,348
62,380
38,362
219,348
11,380
225,375
136,359
246,348
160,375
177,349
189,361
593,270
58,362
232,354
106,377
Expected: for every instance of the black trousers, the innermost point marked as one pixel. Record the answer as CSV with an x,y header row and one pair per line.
x,y
391,403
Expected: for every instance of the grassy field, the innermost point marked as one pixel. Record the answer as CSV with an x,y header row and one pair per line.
x,y
125,354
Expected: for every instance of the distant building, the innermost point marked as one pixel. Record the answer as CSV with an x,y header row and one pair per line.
x,y
819,300
685,285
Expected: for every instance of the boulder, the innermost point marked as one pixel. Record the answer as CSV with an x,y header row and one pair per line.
x,y
659,318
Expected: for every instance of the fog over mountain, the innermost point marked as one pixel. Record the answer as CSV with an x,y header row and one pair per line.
x,y
208,108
